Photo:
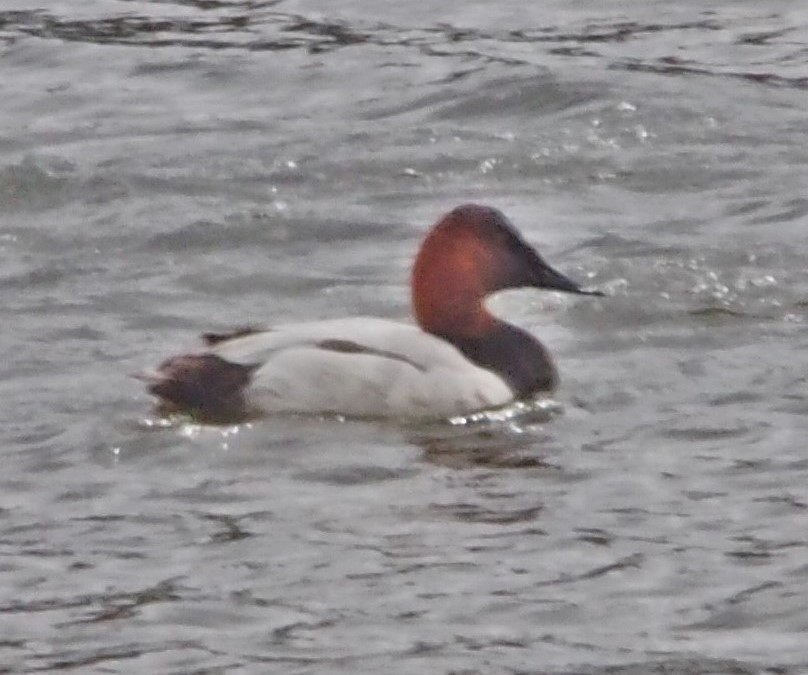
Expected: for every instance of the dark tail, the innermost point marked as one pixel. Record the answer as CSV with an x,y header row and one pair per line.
x,y
204,386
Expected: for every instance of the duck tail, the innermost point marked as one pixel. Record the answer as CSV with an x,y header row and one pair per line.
x,y
206,386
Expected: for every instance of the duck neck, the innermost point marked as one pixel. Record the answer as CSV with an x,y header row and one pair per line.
x,y
461,315
510,352
513,354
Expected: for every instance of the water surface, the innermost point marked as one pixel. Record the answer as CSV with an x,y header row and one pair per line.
x,y
171,167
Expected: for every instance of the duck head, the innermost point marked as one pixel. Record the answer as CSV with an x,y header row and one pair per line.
x,y
471,252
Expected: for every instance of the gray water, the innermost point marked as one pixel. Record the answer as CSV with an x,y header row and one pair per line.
x,y
171,167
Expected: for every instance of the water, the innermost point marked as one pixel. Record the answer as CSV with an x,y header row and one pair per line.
x,y
168,168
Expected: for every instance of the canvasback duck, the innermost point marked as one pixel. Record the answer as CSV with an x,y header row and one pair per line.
x,y
458,359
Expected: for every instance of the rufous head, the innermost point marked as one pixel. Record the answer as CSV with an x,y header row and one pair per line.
x,y
471,252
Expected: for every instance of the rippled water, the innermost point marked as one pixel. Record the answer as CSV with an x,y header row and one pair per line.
x,y
170,167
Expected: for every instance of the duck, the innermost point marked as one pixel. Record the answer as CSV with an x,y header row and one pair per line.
x,y
456,359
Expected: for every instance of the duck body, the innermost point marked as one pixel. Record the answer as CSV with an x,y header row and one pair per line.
x,y
459,359
361,367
